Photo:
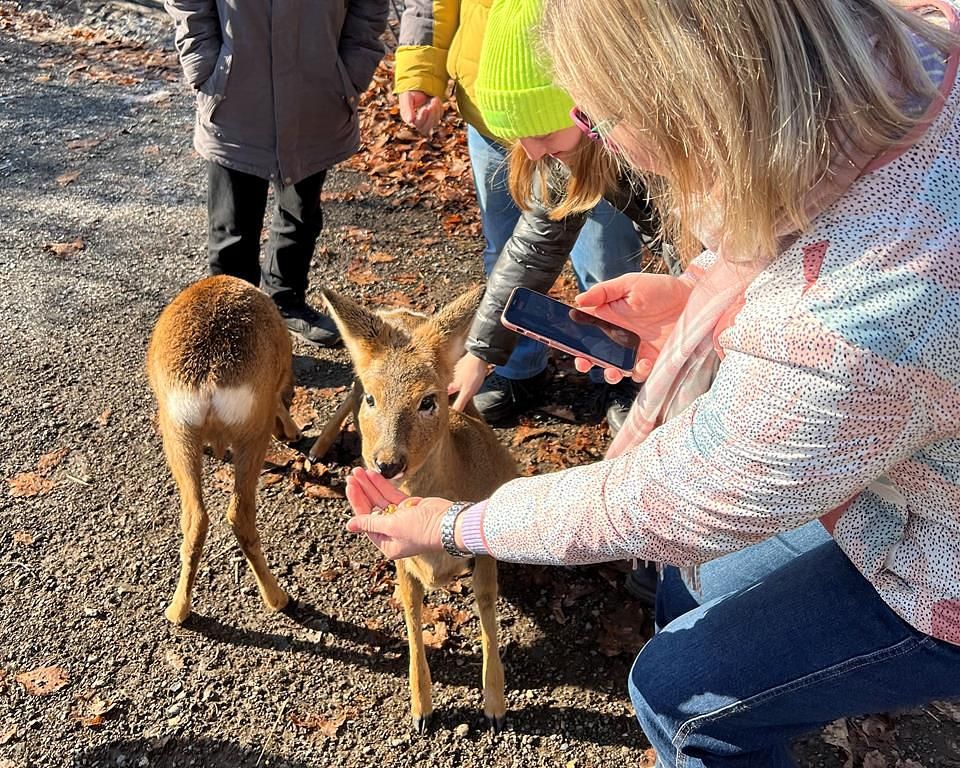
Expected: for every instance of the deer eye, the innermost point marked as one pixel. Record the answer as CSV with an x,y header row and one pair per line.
x,y
428,404
368,399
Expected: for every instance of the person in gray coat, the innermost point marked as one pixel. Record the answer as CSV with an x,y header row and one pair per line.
x,y
276,86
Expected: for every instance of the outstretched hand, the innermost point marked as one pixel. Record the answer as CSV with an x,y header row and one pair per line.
x,y
399,525
468,376
647,304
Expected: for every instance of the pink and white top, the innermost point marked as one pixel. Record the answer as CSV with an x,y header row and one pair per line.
x,y
837,397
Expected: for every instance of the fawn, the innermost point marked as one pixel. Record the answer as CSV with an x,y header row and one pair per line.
x,y
220,366
404,362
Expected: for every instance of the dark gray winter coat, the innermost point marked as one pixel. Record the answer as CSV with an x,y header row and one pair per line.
x,y
534,257
277,81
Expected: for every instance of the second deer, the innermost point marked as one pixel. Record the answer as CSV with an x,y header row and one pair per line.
x,y
404,362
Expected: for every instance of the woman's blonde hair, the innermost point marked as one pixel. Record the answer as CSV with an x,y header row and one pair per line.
x,y
751,103
563,189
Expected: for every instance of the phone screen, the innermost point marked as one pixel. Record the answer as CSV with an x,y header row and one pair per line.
x,y
568,328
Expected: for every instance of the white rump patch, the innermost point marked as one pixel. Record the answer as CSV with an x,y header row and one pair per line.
x,y
232,405
187,406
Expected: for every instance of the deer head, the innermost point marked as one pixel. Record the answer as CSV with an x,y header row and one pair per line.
x,y
405,362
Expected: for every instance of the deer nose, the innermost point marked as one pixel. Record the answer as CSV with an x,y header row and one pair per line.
x,y
390,469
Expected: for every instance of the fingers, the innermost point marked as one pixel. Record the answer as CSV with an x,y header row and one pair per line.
x,y
582,364
462,400
371,489
605,292
612,375
357,498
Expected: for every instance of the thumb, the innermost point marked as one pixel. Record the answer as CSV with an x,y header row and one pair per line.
x,y
605,292
367,524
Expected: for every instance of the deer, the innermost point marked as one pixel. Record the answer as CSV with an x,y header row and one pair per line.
x,y
404,362
220,365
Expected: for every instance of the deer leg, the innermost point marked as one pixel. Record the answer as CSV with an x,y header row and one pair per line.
x,y
332,428
242,516
185,457
485,590
288,428
411,595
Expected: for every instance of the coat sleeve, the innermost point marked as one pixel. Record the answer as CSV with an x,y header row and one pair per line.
x,y
533,257
196,36
360,46
427,28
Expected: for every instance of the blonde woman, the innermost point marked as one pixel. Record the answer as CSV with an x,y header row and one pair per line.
x,y
815,147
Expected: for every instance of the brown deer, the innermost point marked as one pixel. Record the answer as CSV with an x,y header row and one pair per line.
x,y
220,365
404,362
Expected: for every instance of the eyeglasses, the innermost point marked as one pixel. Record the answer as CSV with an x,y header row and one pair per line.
x,y
599,132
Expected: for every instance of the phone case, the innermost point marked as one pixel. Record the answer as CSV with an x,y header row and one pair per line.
x,y
562,347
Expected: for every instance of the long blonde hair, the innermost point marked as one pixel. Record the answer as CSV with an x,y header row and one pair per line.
x,y
748,102
563,189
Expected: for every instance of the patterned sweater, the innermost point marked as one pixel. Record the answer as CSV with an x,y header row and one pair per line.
x,y
838,397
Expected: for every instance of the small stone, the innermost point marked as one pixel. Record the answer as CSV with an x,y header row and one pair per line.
x,y
173,710
90,612
462,730
571,764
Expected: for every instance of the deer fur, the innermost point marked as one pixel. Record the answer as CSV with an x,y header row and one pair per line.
x,y
220,365
404,362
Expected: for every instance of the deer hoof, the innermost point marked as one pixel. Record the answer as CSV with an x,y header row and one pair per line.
x,y
177,614
496,722
421,723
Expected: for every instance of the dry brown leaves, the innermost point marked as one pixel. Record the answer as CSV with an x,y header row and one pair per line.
x,y
433,172
85,54
866,742
65,250
438,620
67,178
23,538
649,758
43,680
38,482
90,710
328,726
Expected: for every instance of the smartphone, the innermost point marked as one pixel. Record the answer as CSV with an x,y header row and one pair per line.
x,y
570,330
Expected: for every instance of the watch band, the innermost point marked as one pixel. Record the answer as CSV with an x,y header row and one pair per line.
x,y
447,527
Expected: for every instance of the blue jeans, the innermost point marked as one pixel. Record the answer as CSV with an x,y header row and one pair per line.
x,y
789,637
608,244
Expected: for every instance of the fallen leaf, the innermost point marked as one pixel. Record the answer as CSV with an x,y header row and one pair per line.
x,y
437,637
7,734
837,733
151,149
68,178
51,460
381,257
527,432
269,479
65,250
104,418
649,758
22,538
358,274
43,680
328,726
223,478
395,299
83,144
174,660
28,484
43,78
90,710
330,574
318,491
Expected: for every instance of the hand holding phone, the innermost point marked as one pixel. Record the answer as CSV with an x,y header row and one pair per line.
x,y
571,330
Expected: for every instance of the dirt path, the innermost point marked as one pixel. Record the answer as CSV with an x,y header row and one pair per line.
x,y
101,223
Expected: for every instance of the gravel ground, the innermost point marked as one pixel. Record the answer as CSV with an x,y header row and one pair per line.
x,y
102,221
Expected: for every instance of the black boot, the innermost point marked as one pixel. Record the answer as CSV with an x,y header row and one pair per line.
x,y
641,584
309,324
501,398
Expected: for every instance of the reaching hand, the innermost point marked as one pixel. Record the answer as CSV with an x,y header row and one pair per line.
x,y
420,110
647,304
411,529
468,376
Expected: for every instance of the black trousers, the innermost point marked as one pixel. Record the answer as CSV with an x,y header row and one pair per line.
x,y
236,205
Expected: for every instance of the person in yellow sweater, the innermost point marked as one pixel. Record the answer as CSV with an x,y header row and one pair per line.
x,y
442,40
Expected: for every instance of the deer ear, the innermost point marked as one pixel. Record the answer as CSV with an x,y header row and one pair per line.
x,y
450,326
363,333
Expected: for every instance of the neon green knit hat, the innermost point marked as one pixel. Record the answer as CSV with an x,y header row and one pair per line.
x,y
513,91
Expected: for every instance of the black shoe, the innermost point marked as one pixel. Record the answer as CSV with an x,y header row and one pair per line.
x,y
308,324
500,398
617,399
641,584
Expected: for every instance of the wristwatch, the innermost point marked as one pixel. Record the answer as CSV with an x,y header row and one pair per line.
x,y
447,527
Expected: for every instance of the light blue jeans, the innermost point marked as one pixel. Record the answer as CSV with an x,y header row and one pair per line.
x,y
608,244
786,637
